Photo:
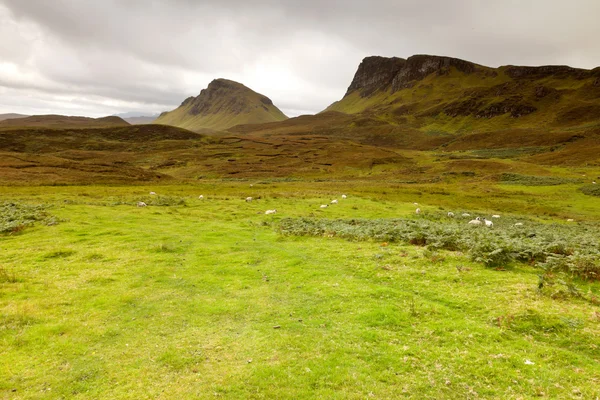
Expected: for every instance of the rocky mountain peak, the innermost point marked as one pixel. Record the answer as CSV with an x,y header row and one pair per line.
x,y
383,73
375,73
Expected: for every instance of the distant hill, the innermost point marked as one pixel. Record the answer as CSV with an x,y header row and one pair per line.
x,y
220,106
445,95
141,120
61,121
137,118
11,116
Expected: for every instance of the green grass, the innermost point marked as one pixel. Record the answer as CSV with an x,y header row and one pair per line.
x,y
205,299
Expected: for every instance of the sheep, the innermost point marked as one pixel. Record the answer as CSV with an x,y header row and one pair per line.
x,y
594,183
334,201
141,204
418,211
324,206
416,204
249,199
270,212
344,196
495,216
519,224
201,197
488,222
570,220
476,221
450,214
466,215
152,193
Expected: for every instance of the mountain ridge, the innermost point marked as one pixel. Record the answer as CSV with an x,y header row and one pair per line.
x,y
445,94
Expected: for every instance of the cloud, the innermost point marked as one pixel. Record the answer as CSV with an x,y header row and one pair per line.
x,y
96,56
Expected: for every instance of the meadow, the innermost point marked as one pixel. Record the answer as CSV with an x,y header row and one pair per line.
x,y
190,298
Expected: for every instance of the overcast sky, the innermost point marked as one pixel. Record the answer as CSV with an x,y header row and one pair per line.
x,y
100,57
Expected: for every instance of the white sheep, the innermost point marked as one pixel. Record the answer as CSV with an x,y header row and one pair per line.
x,y
488,222
476,221
466,215
334,201
495,216
519,224
416,204
344,196
594,183
201,197
418,211
324,206
152,193
450,214
141,204
570,220
249,199
270,212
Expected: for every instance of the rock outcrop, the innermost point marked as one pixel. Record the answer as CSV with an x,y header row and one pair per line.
x,y
383,73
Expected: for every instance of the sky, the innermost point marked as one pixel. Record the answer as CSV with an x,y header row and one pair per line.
x,y
97,58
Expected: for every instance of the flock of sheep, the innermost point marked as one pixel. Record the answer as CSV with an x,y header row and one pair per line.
x,y
476,221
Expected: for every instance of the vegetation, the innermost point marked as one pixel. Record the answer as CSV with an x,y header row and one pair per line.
x,y
212,298
577,247
518,179
590,190
14,216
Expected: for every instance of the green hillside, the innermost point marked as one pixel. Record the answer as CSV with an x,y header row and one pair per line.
x,y
221,105
448,95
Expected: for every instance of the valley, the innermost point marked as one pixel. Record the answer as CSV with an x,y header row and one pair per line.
x,y
138,261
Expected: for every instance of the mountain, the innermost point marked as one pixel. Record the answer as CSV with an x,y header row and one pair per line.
x,y
222,105
62,121
11,116
446,95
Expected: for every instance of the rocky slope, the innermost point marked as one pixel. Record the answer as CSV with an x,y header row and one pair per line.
x,y
222,105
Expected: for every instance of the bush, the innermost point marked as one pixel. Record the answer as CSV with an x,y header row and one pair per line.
x,y
572,249
530,180
590,190
15,217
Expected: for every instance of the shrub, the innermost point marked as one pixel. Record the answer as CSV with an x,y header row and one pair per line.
x,y
590,190
569,249
15,217
530,180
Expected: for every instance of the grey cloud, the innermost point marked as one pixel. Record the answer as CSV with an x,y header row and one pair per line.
x,y
301,54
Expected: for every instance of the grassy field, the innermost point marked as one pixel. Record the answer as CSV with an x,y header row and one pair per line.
x,y
207,299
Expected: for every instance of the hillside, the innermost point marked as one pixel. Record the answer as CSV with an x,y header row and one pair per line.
x,y
62,121
448,95
11,116
221,105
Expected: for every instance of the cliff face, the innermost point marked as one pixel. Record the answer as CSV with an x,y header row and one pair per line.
x,y
221,105
382,73
375,73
